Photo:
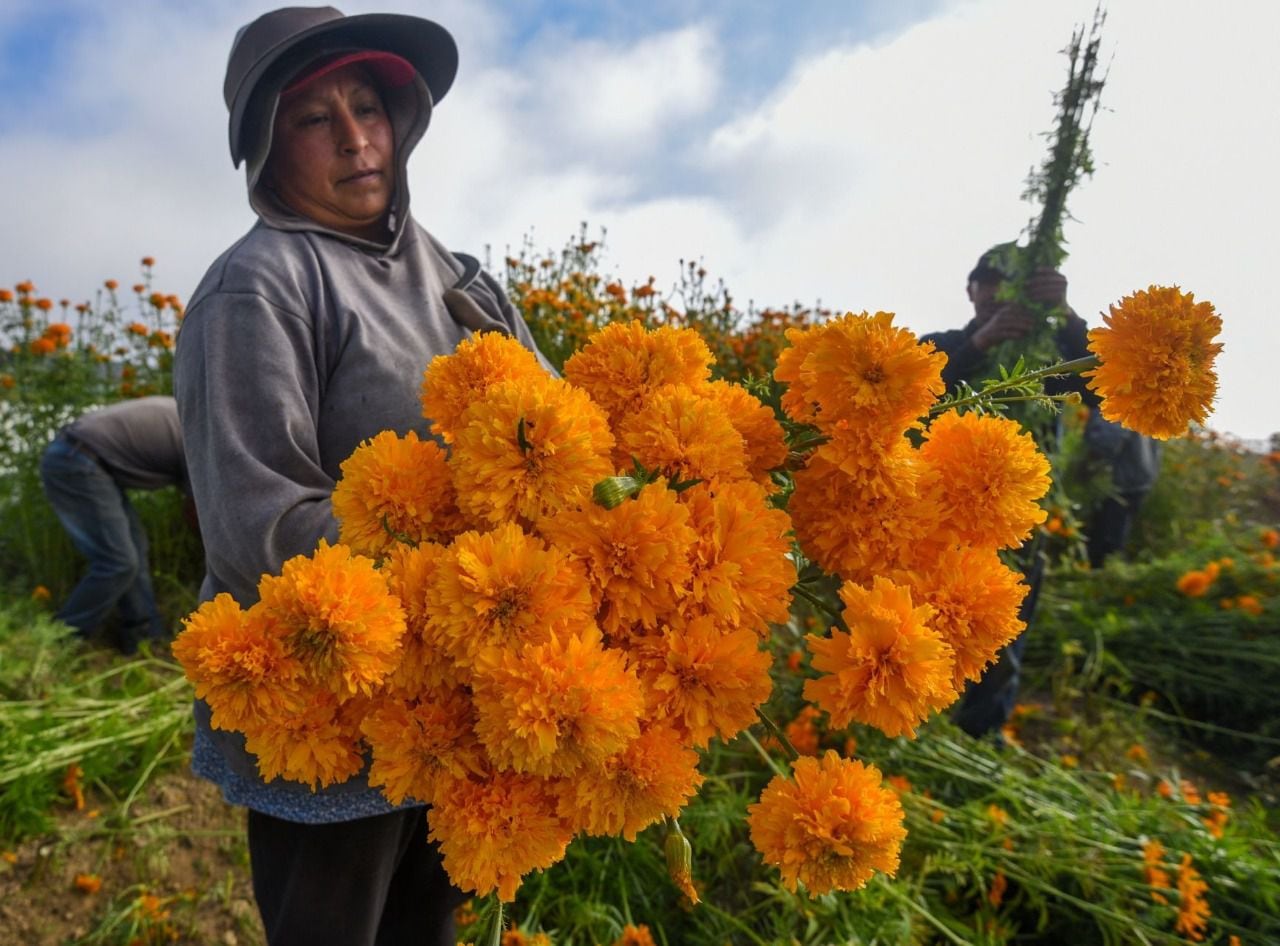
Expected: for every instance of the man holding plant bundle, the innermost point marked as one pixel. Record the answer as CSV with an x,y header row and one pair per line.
x,y
986,705
85,472
303,340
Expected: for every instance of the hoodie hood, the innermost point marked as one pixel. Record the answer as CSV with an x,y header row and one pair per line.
x,y
409,110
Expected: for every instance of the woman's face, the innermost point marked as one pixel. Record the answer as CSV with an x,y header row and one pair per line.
x,y
333,155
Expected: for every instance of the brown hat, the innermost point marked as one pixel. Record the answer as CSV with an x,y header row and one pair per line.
x,y
272,49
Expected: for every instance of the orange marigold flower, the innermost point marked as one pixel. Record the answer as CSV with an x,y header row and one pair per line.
x,y
318,746
988,476
44,305
7,381
239,665
705,681
40,593
43,346
653,777
741,572
802,732
861,526
975,598
418,744
1270,538
6,295
550,709
71,785
336,618
503,590
137,328
409,571
451,383
111,285
148,261
1194,583
1138,753
862,370
830,826
999,884
1193,909
635,936
494,830
1249,604
891,670
683,434
529,448
88,883
1190,794
760,431
1156,358
624,364
395,489
635,555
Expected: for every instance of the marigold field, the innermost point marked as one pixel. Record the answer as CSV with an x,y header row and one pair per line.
x,y
670,642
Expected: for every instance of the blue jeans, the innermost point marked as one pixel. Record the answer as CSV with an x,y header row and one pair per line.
x,y
105,528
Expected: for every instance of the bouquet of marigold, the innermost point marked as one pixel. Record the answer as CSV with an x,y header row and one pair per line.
x,y
535,619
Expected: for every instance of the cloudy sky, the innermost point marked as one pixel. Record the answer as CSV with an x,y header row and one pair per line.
x,y
854,153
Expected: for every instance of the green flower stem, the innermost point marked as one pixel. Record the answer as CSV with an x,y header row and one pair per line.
x,y
495,931
1075,366
885,884
778,734
768,759
819,604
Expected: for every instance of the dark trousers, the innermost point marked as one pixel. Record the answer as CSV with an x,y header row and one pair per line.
x,y
106,530
375,881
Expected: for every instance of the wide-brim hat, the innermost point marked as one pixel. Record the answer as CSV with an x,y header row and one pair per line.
x,y
275,46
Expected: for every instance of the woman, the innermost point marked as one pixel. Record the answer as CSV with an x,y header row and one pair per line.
x,y
307,336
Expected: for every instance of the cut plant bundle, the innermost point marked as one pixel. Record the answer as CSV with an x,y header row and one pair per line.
x,y
535,627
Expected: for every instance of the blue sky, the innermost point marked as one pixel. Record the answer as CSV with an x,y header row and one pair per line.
x,y
813,151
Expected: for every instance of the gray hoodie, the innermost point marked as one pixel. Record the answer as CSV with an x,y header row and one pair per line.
x,y
298,344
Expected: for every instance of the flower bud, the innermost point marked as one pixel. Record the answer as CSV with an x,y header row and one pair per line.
x,y
615,490
680,861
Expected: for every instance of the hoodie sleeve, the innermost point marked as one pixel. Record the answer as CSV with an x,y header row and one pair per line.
x,y
248,395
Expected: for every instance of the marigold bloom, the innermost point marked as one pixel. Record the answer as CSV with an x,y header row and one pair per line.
x,y
1270,538
861,526
552,708
409,571
42,346
741,570
1156,358
419,743
830,826
336,618
705,681
860,370
653,777
684,435
624,364
395,489
635,936
6,295
802,732
996,892
988,477
529,448
72,786
975,598
239,665
504,589
451,383
760,431
891,670
1194,583
87,883
1193,909
137,328
494,830
318,746
635,555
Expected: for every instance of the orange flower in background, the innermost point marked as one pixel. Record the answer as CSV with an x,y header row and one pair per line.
x,y
1193,909
684,435
44,305
239,664
451,383
395,489
891,670
553,708
71,785
741,574
137,328
40,593
1249,604
111,285
975,598
830,826
703,680
336,617
860,370
760,431
419,744
635,555
492,831
88,883
42,346
1156,876
503,590
529,449
6,295
1269,538
624,364
148,261
652,778
999,884
802,732
988,477
1194,583
635,936
1156,358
